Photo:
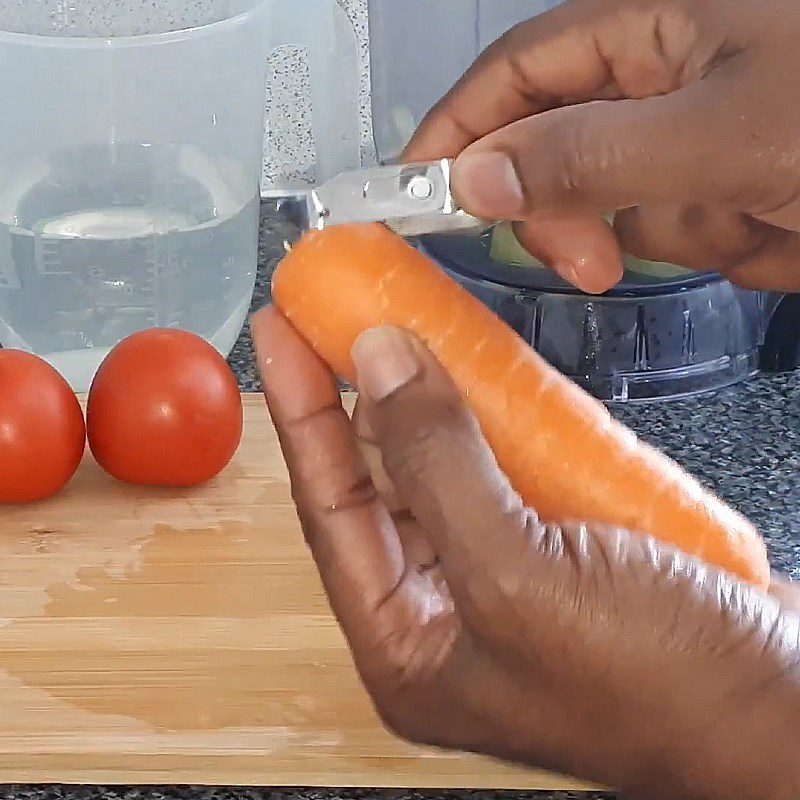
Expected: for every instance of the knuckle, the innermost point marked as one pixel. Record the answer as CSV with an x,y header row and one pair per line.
x,y
413,458
580,159
418,448
572,175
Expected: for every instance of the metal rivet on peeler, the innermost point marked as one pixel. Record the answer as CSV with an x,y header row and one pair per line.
x,y
420,188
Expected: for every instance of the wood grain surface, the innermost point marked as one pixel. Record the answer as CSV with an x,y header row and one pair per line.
x,y
183,637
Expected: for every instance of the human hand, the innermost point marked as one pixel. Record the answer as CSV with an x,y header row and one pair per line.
x,y
475,627
682,115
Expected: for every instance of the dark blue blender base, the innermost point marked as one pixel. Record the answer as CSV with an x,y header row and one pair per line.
x,y
640,342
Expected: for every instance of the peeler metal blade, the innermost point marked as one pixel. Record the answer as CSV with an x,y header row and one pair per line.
x,y
411,199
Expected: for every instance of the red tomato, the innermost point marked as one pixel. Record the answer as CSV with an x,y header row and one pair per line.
x,y
42,433
164,410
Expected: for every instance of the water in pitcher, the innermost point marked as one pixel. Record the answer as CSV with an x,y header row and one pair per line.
x,y
99,243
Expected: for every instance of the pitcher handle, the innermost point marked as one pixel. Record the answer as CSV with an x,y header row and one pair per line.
x,y
325,31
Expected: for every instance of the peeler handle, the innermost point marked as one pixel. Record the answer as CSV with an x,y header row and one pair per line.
x,y
411,199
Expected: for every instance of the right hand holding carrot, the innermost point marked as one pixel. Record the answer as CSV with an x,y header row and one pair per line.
x,y
475,627
681,115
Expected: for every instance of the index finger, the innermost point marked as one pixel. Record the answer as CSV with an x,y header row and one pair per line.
x,y
555,59
580,51
351,535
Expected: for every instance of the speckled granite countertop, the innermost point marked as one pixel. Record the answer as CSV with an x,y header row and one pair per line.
x,y
744,442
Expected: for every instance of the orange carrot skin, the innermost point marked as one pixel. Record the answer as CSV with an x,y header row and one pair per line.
x,y
561,449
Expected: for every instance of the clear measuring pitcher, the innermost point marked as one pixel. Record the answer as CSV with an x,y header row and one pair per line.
x,y
130,155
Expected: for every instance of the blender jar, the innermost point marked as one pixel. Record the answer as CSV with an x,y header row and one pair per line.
x,y
663,332
130,157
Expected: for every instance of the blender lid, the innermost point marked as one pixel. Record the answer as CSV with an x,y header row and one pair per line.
x,y
495,255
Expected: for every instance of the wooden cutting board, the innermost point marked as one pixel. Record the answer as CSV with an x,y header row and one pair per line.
x,y
183,637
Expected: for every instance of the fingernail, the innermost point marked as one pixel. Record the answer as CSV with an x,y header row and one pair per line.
x,y
567,272
385,362
587,276
487,185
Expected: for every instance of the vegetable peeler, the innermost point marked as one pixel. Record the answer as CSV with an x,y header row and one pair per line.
x,y
411,199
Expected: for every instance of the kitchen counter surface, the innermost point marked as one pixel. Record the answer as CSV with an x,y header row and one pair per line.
x,y
743,442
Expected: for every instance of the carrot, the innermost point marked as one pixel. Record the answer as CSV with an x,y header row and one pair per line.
x,y
561,449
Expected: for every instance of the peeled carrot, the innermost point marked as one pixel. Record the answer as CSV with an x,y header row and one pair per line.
x,y
561,449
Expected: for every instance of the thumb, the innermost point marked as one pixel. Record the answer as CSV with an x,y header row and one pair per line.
x,y
609,155
439,462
